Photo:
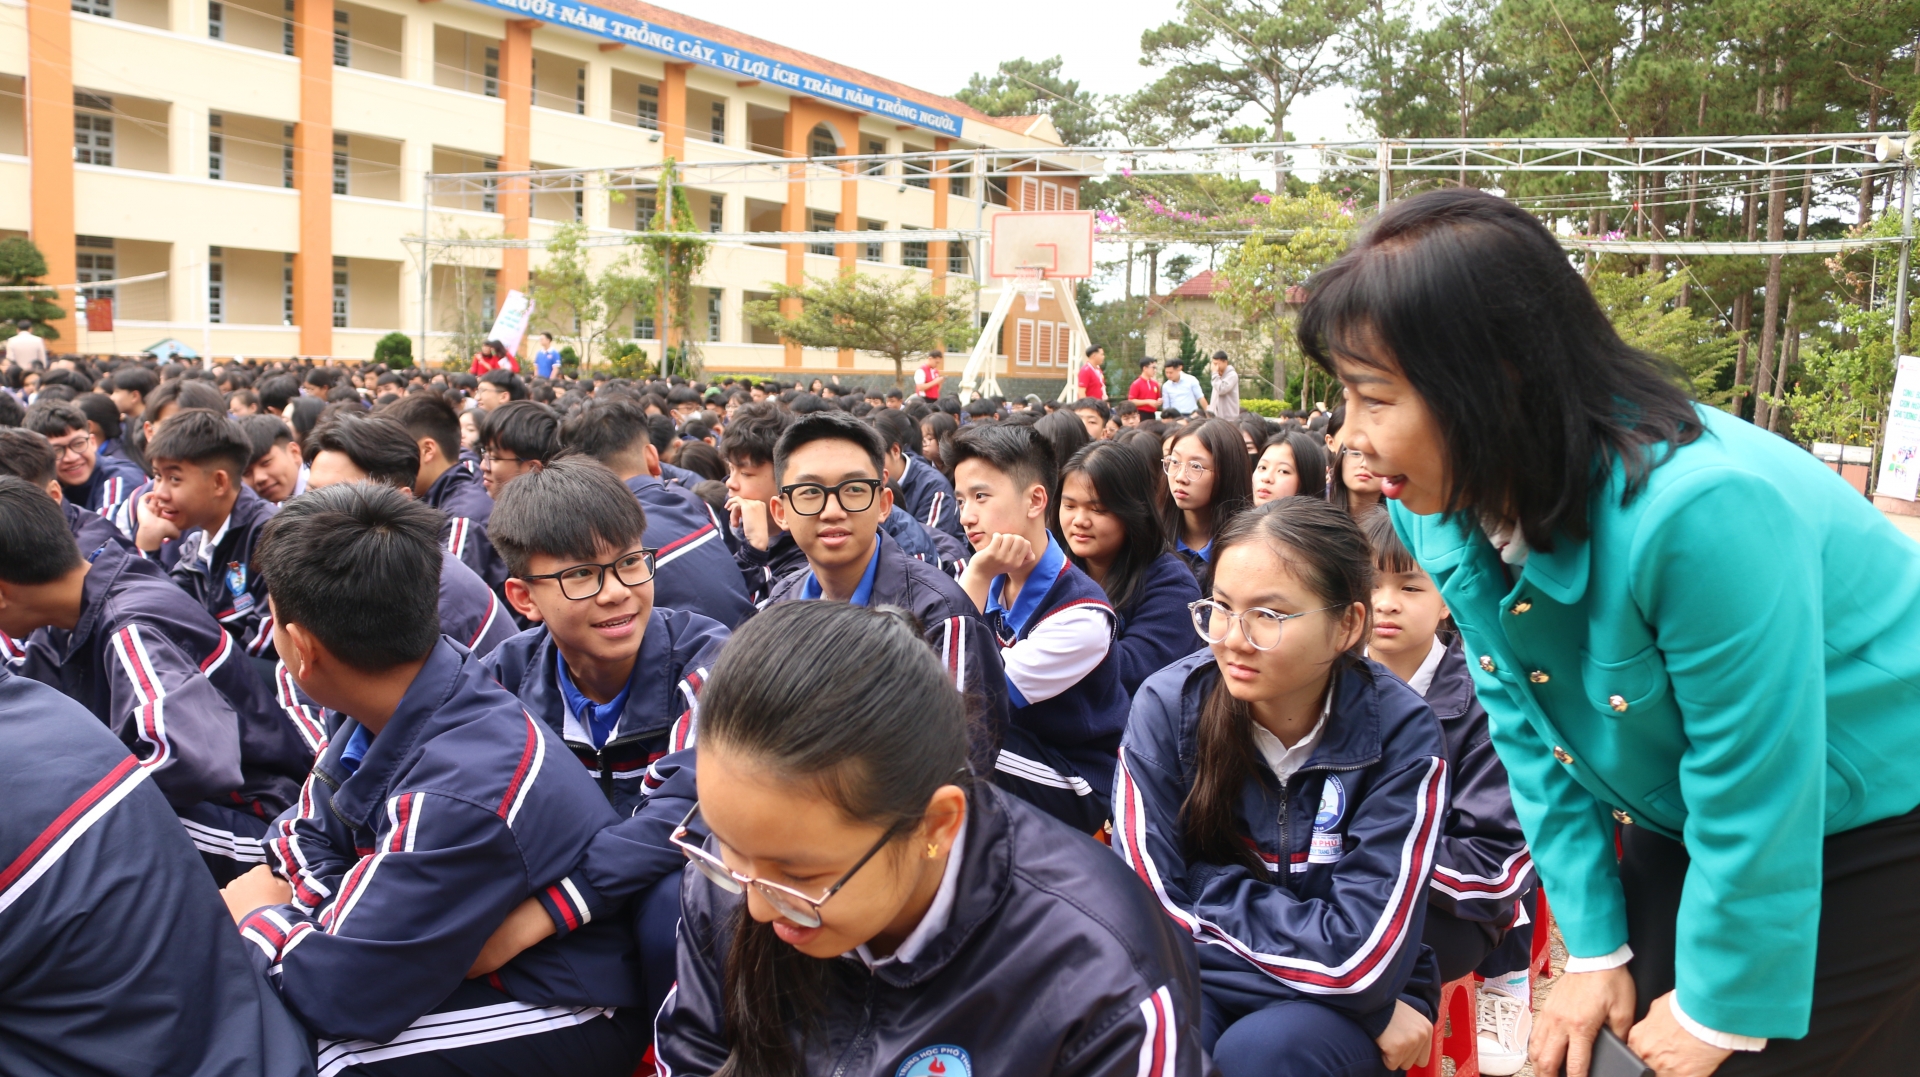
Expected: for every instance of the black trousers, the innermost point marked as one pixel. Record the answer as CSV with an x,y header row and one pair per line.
x,y
1866,986
1462,946
601,1047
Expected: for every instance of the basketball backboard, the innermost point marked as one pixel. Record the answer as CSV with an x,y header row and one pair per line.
x,y
1058,243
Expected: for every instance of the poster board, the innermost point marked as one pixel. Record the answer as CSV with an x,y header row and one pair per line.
x,y
1900,453
510,326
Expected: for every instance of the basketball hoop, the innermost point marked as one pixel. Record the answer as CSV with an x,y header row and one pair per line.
x,y
1031,283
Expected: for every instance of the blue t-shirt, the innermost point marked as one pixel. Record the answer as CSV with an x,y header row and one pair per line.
x,y
598,719
862,594
546,362
1181,396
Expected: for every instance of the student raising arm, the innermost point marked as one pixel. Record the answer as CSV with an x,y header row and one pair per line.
x,y
1283,797
864,908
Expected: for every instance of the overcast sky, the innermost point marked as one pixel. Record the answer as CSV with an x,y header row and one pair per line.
x,y
938,54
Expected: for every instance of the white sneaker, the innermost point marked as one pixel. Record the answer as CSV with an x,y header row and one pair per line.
x,y
1505,1025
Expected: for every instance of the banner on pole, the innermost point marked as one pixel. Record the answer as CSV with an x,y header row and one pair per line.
x,y
1900,452
510,326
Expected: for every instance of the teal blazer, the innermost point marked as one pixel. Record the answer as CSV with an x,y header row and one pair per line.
x,y
1732,660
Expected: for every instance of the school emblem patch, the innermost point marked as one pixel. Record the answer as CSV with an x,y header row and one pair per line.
x,y
1328,844
941,1060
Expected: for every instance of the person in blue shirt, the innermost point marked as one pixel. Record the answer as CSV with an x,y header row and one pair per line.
x,y
1209,479
547,360
1108,519
1054,625
1180,395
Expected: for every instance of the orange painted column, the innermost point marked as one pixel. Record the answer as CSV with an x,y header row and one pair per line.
x,y
313,176
798,128
516,151
673,143
50,150
942,187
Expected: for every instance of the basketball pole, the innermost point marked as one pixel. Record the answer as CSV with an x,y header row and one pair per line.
x,y
980,359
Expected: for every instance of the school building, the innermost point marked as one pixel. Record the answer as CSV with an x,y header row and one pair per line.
x,y
270,157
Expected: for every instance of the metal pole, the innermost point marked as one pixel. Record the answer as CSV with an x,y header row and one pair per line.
x,y
664,330
1906,259
426,267
1386,174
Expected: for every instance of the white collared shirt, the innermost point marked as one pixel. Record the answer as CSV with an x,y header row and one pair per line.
x,y
207,544
1285,761
938,913
1422,678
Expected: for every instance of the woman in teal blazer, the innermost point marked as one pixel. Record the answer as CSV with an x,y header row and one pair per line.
x,y
1699,649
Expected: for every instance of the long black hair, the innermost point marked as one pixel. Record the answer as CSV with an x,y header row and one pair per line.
x,y
1309,460
1535,394
817,693
942,427
1327,550
1232,470
1128,484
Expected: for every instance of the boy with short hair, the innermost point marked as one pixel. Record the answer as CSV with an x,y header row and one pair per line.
x,y
1053,623
1095,415
694,570
765,553
436,809
276,472
114,634
497,388
199,501
616,677
832,499
129,389
443,483
516,438
27,455
1144,394
94,482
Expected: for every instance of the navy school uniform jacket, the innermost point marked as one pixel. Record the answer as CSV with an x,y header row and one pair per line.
x,y
91,530
650,744
761,569
459,493
463,807
1347,846
1482,868
217,570
113,480
951,626
1156,627
126,519
1083,721
160,673
914,538
116,954
469,612
674,475
928,497
1051,962
693,568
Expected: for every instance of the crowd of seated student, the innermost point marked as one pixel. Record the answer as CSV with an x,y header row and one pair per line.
x,y
427,889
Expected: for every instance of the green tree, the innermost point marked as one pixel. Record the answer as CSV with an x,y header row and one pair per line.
x,y
1226,58
1292,237
1023,87
1842,393
22,265
395,350
891,316
587,303
671,256
1646,312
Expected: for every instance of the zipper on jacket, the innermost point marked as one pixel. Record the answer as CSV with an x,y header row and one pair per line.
x,y
604,769
860,1035
333,790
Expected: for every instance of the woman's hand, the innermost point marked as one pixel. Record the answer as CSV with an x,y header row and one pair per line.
x,y
526,925
1671,1050
1408,1040
1581,1002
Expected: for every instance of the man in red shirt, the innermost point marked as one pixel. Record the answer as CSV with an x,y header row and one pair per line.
x,y
1093,382
927,379
1145,392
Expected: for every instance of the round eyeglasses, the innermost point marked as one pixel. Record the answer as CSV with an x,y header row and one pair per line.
x,y
581,582
785,900
810,498
1259,626
1173,466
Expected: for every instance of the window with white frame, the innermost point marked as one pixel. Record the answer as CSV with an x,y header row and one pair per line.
x,y
286,289
216,287
1023,342
216,20
492,72
873,251
488,202
647,110
719,123
340,147
216,148
286,155
94,261
342,40
102,8
93,129
716,213
286,37
820,221
339,293
713,314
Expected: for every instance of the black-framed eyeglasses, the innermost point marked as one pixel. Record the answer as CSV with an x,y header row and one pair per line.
x,y
581,582
810,498
786,901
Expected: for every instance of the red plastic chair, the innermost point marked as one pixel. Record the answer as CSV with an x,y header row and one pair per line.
x,y
1457,1034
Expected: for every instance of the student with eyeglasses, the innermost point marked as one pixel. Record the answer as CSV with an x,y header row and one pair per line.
x,y
862,907
1283,796
833,501
1209,478
612,675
